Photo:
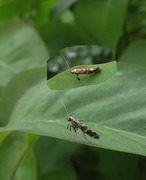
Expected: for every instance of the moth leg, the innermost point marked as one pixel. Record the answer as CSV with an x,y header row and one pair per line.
x,y
66,130
75,129
68,126
78,77
75,137
85,137
75,134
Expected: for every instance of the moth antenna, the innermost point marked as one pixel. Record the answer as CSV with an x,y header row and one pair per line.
x,y
64,108
66,62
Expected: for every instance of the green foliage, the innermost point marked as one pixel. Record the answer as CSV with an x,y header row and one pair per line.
x,y
60,7
135,53
113,163
14,8
59,154
111,102
28,164
22,57
102,16
20,49
12,158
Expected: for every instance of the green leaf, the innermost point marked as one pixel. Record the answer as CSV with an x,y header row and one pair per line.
x,y
62,35
22,59
11,152
135,53
20,49
3,136
61,174
57,157
16,147
114,109
15,88
43,7
66,80
59,7
102,20
9,9
27,168
115,165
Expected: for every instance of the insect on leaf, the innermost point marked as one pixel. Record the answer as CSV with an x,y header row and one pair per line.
x,y
66,80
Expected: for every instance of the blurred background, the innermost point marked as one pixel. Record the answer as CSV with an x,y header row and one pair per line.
x,y
33,31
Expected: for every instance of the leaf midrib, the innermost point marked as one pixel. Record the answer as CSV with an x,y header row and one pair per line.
x,y
7,128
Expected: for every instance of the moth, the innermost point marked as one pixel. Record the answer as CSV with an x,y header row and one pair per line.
x,y
84,70
75,125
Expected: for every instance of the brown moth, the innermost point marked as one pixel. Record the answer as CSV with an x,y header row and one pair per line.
x,y
83,71
75,125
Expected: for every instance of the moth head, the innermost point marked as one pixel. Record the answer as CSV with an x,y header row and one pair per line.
x,y
69,118
99,69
